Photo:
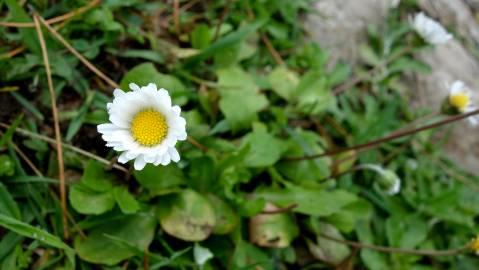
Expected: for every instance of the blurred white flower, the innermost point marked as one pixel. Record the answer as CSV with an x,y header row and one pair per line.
x,y
144,126
388,181
460,98
430,30
201,255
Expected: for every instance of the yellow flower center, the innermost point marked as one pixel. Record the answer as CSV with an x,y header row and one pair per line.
x,y
459,101
475,244
149,127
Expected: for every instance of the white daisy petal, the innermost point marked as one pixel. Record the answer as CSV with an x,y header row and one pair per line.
x,y
144,126
139,163
134,87
165,160
175,156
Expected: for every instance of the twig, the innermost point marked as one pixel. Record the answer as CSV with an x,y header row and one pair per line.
x,y
280,210
176,16
423,252
272,50
357,79
196,144
13,52
40,174
61,166
78,55
390,137
61,18
80,151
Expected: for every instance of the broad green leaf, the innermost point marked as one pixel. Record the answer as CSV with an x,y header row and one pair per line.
x,y
30,231
373,260
314,202
272,230
202,174
146,73
125,200
240,100
226,217
405,64
327,250
87,201
264,149
313,94
186,215
247,256
8,206
406,231
339,74
200,36
157,178
97,247
95,178
304,143
283,81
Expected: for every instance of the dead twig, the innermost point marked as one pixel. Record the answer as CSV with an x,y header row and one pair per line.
x,y
78,55
56,123
392,136
78,150
57,19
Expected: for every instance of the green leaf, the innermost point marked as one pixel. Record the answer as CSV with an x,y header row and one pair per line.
x,y
247,256
226,42
202,174
29,35
264,149
200,36
7,136
313,94
314,202
304,143
339,74
406,231
186,215
157,178
237,87
95,178
8,206
29,231
226,218
372,259
283,81
127,203
272,230
146,73
97,247
405,64
327,250
87,201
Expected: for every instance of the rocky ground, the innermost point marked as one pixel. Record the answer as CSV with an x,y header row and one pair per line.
x,y
341,27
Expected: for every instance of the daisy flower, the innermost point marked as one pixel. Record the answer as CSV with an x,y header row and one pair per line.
x,y
460,99
144,126
430,30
